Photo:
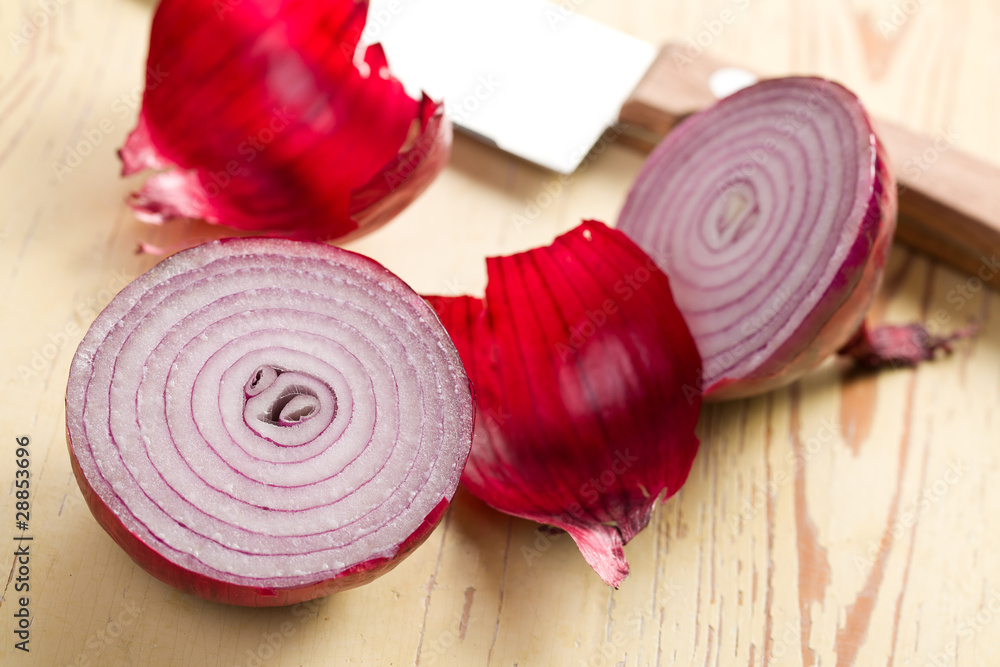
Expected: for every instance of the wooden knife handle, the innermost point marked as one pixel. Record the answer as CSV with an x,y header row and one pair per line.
x,y
949,201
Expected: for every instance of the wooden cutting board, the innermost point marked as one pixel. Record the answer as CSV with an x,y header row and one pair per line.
x,y
847,520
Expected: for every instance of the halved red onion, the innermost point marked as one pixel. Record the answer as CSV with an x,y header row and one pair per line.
x,y
772,212
267,122
264,421
586,380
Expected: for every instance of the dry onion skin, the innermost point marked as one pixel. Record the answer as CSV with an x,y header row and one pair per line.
x,y
263,421
772,212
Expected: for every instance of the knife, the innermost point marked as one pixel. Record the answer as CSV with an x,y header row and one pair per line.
x,y
544,83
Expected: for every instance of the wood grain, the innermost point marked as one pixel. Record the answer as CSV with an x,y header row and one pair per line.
x,y
847,520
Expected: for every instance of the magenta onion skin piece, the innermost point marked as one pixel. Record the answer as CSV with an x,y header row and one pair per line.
x,y
250,504
266,117
776,287
585,377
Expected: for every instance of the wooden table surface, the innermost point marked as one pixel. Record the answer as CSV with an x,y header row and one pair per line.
x,y
847,520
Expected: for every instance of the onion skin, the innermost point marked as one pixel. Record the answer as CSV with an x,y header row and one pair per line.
x,y
580,361
754,118
404,177
263,127
189,480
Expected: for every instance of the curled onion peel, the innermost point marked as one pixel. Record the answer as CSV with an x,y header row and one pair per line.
x,y
773,213
264,120
579,358
263,421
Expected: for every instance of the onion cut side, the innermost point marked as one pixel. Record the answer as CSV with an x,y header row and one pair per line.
x,y
586,382
262,117
263,421
773,213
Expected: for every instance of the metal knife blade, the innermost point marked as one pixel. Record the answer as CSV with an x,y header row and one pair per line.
x,y
536,80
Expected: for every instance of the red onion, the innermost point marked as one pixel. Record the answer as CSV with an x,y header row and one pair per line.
x,y
265,421
267,121
580,359
772,212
